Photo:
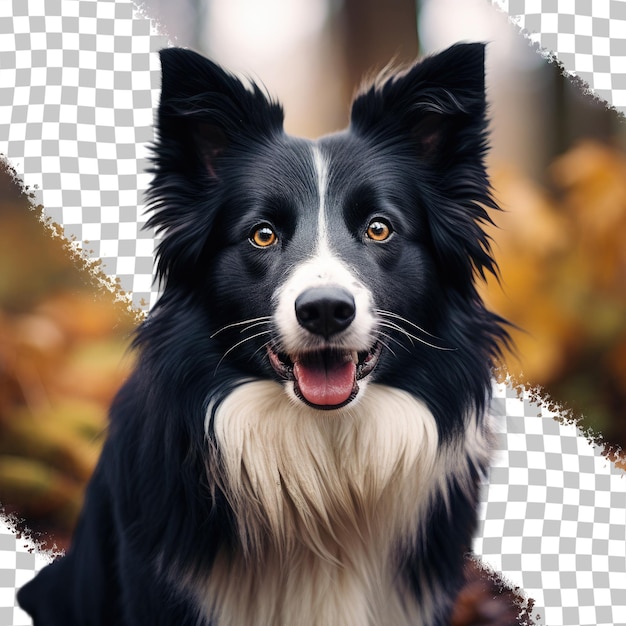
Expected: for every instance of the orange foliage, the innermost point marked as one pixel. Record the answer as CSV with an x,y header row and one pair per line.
x,y
62,358
562,254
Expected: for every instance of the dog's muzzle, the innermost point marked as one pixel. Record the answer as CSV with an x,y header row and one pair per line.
x,y
326,378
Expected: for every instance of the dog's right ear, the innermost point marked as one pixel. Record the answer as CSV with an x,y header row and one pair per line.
x,y
207,120
205,107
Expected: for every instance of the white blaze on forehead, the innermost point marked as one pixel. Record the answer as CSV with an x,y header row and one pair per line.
x,y
323,268
321,170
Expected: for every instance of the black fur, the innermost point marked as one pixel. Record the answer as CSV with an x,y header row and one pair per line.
x,y
222,163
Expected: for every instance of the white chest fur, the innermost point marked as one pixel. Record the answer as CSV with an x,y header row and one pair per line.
x,y
323,501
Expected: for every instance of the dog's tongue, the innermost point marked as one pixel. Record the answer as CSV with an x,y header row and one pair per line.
x,y
325,382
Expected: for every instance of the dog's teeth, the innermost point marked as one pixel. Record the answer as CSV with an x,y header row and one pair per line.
x,y
355,357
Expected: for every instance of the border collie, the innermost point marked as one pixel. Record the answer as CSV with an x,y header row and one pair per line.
x,y
304,436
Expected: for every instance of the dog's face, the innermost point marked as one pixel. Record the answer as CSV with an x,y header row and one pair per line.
x,y
318,256
328,264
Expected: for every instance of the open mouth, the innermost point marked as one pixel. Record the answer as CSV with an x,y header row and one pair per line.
x,y
328,378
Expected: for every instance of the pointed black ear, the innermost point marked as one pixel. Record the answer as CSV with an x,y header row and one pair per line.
x,y
430,103
208,108
207,119
435,113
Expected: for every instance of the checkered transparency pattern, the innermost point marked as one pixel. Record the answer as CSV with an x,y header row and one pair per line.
x,y
587,36
553,516
78,83
552,521
19,560
79,78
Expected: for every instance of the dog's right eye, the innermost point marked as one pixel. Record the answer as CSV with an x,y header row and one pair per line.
x,y
263,236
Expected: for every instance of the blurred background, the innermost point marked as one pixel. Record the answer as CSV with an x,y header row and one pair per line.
x,y
558,168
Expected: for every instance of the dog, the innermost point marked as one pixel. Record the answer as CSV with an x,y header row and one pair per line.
x,y
304,436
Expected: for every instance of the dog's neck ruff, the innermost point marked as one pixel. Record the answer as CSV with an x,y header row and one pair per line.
x,y
324,502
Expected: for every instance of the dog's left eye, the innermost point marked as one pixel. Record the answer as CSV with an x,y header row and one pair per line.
x,y
378,230
263,236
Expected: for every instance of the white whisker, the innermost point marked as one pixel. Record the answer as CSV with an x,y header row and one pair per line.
x,y
239,343
386,313
254,321
394,326
410,336
254,325
385,345
261,347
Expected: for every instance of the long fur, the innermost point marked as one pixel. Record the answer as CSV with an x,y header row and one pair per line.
x,y
231,491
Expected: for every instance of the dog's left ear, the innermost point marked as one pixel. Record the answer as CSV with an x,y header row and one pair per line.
x,y
435,114
430,104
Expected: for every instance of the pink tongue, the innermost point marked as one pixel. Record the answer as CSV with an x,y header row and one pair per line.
x,y
326,384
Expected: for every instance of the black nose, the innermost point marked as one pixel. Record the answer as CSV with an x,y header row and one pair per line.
x,y
325,310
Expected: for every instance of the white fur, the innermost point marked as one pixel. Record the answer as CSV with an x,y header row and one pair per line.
x,y
323,499
321,171
323,268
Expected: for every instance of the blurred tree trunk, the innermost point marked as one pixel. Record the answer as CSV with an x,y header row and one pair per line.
x,y
374,34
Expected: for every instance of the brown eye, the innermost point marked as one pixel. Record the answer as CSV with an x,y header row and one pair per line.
x,y
263,236
378,230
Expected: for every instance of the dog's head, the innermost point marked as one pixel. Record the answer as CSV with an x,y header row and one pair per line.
x,y
329,264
